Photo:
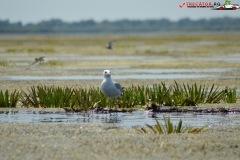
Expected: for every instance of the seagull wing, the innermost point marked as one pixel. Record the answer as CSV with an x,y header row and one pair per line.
x,y
31,65
42,59
34,63
118,86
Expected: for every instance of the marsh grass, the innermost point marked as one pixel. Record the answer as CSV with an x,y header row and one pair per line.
x,y
54,97
83,99
230,95
53,63
40,50
193,95
29,50
9,100
80,99
169,128
4,63
30,99
50,97
156,52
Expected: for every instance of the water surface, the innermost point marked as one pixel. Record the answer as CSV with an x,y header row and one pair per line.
x,y
125,120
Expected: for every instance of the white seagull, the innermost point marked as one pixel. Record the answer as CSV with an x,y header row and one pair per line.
x,y
110,88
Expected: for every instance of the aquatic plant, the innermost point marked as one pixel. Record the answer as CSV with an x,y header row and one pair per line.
x,y
184,95
4,63
44,96
193,95
54,63
41,50
214,96
55,97
159,94
168,128
230,95
31,99
81,99
9,100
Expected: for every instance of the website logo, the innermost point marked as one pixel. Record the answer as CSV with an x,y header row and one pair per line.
x,y
213,5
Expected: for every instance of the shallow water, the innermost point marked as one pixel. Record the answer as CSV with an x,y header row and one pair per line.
x,y
234,57
125,120
120,72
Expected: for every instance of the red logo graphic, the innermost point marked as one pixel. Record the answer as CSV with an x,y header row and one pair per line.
x,y
180,6
196,4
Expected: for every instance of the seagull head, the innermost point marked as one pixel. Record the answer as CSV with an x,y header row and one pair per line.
x,y
107,73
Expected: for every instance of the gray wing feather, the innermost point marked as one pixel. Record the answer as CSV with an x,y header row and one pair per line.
x,y
118,86
33,63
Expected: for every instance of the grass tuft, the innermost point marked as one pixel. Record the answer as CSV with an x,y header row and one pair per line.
x,y
168,128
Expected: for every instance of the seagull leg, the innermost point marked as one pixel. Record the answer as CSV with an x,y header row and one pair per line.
x,y
109,106
112,109
109,103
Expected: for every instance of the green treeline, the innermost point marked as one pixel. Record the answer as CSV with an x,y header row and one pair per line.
x,y
122,26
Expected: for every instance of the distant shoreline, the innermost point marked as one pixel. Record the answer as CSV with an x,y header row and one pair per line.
x,y
124,34
124,26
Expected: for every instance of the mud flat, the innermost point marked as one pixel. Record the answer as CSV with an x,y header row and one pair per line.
x,y
82,141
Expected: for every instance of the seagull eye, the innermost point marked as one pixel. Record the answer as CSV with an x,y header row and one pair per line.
x,y
105,72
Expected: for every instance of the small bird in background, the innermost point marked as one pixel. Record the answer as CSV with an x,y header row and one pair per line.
x,y
110,88
110,45
37,61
